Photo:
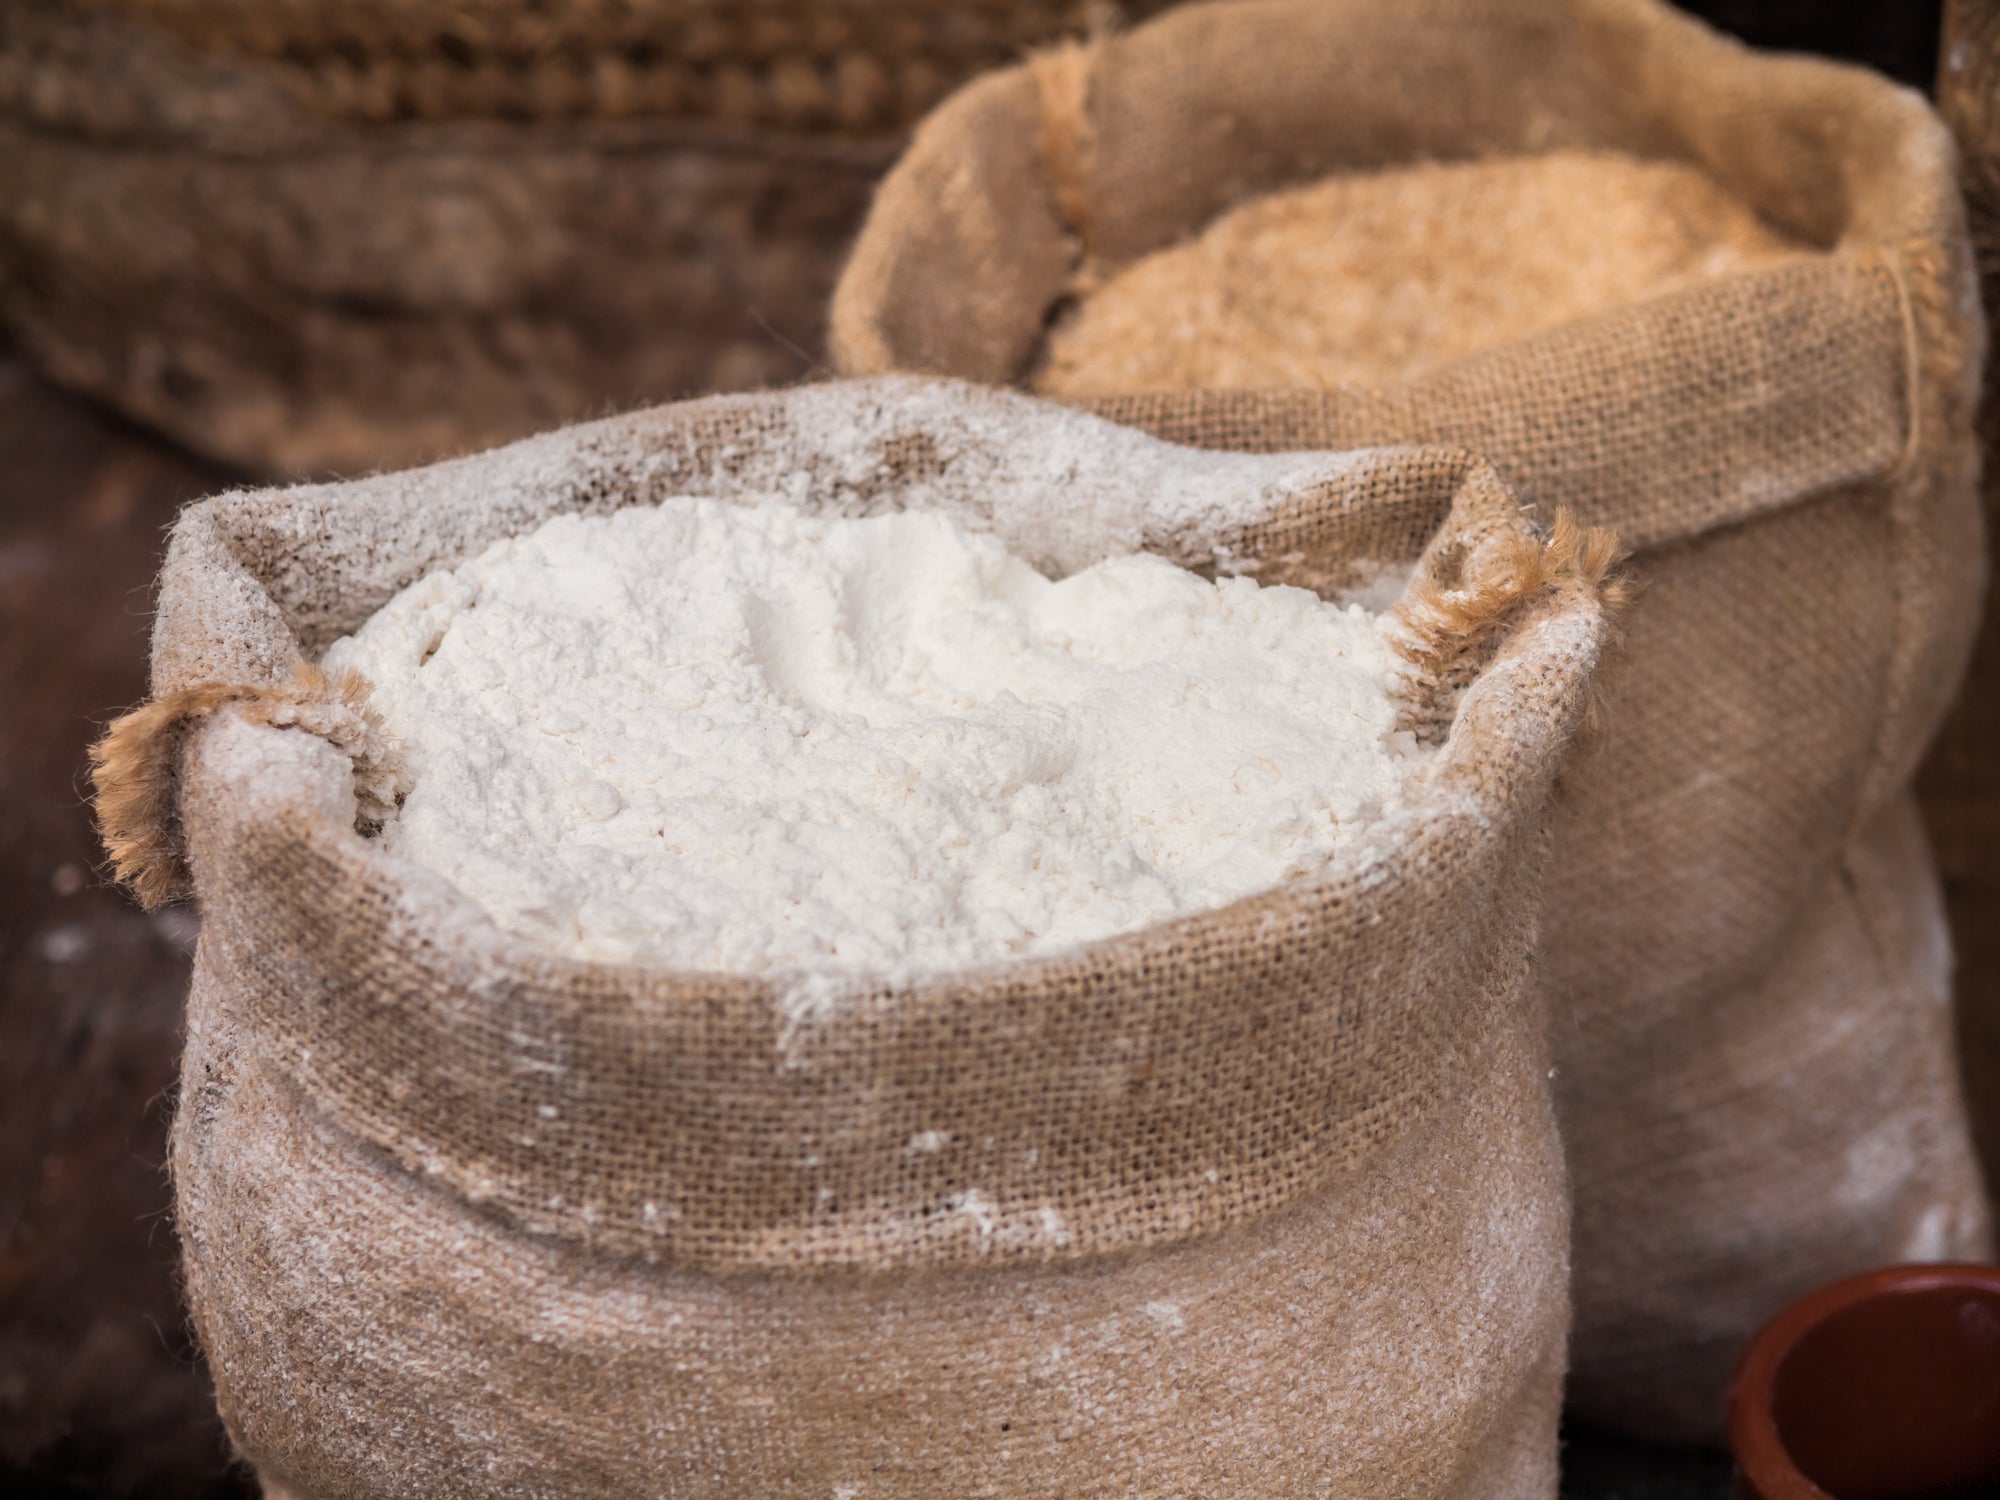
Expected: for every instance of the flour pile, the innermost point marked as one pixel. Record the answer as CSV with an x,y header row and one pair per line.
x,y
1378,276
752,739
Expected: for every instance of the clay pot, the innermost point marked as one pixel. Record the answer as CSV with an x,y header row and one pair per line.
x,y
1884,1386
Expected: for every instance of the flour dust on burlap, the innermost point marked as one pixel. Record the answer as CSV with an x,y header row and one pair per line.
x,y
1369,277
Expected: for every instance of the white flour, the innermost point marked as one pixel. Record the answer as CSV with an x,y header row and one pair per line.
x,y
752,739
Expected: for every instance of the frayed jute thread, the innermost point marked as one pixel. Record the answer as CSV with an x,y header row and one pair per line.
x,y
1450,626
135,766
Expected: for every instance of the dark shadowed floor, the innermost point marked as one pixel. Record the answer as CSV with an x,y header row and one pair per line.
x,y
100,1390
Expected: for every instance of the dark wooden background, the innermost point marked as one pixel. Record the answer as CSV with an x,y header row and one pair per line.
x,y
101,1391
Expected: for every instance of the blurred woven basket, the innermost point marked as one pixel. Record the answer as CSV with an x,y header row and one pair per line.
x,y
308,238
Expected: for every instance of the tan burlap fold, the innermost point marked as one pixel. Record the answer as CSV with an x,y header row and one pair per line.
x,y
1744,941
1267,1201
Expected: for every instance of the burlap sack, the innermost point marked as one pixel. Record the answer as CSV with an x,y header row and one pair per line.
x,y
309,238
1267,1201
1744,939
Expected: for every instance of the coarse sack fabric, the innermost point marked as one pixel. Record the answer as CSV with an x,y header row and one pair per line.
x,y
1263,1201
1744,940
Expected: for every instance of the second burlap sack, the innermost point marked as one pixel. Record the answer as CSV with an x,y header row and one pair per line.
x,y
1745,945
1264,1201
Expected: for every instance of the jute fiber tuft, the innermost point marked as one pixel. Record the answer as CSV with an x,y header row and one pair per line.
x,y
1266,1201
1744,941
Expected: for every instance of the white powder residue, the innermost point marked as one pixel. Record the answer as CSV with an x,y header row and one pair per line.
x,y
752,739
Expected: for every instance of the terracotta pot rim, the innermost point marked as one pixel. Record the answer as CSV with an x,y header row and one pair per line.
x,y
1760,1452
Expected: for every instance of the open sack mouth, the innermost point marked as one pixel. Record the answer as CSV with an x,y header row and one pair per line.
x,y
756,738
1362,193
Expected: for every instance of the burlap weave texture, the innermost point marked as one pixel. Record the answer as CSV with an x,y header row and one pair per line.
x,y
1742,924
1267,1200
